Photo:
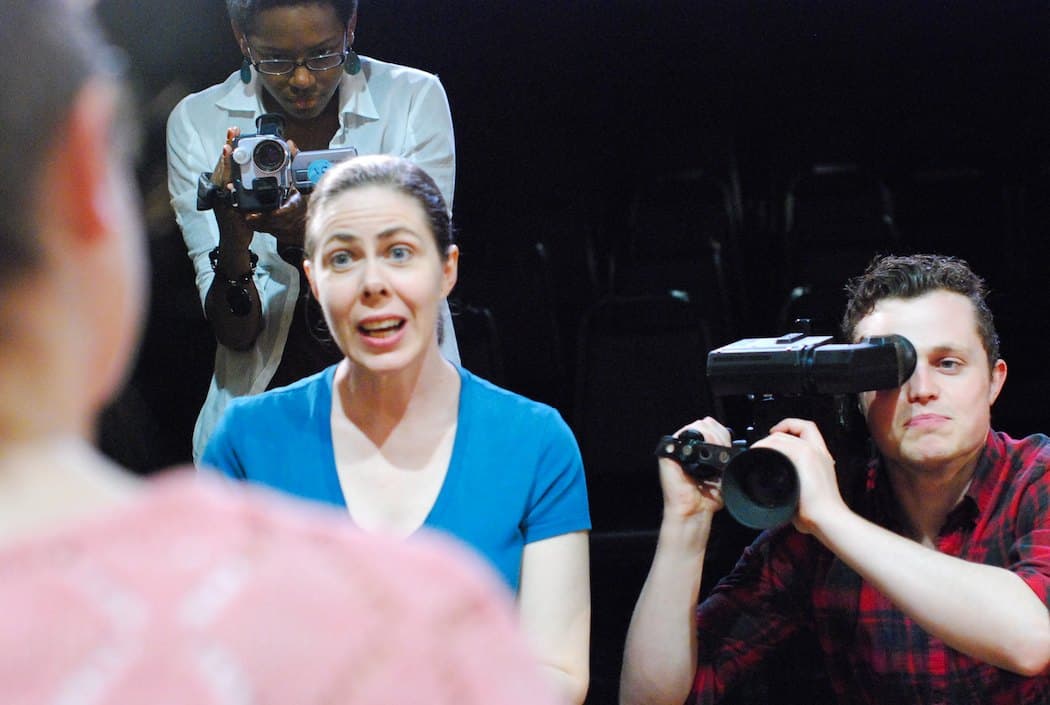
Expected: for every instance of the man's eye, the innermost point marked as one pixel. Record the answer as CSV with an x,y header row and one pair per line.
x,y
949,364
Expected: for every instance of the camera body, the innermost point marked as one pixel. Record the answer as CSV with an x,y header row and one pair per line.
x,y
264,170
760,485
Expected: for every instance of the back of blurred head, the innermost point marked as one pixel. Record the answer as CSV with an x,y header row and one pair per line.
x,y
72,270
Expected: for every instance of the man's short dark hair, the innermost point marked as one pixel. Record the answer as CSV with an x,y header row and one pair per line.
x,y
910,276
245,12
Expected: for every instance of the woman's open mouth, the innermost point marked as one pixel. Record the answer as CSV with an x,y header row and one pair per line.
x,y
381,328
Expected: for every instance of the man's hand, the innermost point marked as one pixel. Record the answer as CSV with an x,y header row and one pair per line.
x,y
804,446
287,223
684,496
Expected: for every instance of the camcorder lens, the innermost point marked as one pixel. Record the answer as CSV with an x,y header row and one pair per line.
x,y
769,485
269,155
760,487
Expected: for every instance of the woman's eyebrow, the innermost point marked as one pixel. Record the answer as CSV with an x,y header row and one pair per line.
x,y
385,234
326,44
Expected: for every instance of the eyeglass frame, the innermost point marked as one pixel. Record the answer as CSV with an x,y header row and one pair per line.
x,y
296,63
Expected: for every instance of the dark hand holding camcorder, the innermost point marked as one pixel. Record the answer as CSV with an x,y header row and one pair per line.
x,y
264,170
760,485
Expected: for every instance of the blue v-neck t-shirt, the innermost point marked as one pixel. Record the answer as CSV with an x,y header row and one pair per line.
x,y
515,475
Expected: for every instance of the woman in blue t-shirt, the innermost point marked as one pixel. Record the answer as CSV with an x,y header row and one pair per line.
x,y
403,438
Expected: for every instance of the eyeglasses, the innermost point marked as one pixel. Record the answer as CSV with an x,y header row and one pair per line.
x,y
280,67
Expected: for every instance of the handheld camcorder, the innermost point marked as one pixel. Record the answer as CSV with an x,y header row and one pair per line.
x,y
760,485
264,170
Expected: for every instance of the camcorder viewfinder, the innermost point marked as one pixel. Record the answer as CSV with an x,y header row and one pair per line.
x,y
799,364
760,485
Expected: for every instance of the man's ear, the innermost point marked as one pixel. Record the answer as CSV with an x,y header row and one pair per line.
x,y
998,380
77,187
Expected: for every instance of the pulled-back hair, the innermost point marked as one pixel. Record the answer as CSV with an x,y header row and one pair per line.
x,y
392,172
243,13
910,276
35,105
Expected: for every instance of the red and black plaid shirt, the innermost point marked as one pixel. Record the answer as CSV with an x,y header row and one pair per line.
x,y
787,582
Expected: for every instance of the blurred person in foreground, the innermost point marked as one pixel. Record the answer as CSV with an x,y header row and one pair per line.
x,y
931,585
181,589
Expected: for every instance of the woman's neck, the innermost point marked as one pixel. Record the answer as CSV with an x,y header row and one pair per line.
x,y
49,480
315,133
378,402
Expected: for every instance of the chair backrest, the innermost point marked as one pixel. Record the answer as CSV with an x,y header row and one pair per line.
x,y
478,339
520,292
640,374
669,214
677,237
837,203
836,218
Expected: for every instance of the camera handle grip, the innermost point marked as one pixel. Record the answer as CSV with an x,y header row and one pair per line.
x,y
209,193
699,459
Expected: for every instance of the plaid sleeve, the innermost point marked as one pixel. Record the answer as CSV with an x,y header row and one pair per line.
x,y
759,605
1031,548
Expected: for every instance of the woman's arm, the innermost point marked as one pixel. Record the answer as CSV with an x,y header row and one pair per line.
x,y
204,230
555,605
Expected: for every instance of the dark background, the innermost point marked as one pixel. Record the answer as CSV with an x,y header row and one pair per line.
x,y
565,111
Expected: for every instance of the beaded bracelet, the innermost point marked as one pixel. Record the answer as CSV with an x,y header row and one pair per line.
x,y
237,296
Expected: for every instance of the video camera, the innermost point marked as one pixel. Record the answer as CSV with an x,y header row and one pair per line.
x,y
264,170
760,485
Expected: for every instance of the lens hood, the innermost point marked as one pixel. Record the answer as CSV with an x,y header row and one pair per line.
x,y
760,488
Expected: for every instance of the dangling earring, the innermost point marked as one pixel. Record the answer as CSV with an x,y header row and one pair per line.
x,y
246,71
352,65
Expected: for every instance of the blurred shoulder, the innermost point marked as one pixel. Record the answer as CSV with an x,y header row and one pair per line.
x,y
292,542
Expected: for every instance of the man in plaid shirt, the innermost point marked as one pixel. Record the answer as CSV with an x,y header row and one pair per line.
x,y
931,587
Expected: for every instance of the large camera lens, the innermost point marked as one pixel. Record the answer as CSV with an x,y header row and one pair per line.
x,y
760,487
269,155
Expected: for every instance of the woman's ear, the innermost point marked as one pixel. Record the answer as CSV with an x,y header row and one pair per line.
x,y
308,270
238,36
450,270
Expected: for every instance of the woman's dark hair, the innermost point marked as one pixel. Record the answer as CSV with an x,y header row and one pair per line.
x,y
243,13
35,106
910,276
393,172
